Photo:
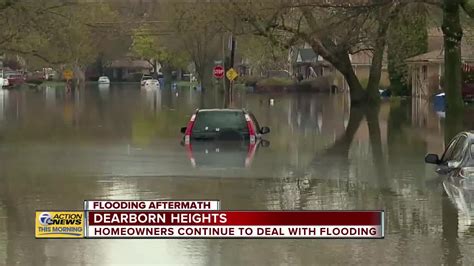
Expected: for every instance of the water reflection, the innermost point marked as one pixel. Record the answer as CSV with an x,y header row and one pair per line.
x,y
153,100
59,149
461,193
104,90
3,103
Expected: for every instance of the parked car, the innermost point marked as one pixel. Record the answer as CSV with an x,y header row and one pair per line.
x,y
3,80
468,92
144,79
104,80
223,125
458,158
151,84
16,79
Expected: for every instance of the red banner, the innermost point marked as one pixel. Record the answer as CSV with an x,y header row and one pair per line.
x,y
236,218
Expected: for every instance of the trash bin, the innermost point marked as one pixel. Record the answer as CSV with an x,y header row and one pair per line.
x,y
439,102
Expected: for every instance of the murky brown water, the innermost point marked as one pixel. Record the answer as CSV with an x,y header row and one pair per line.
x,y
122,143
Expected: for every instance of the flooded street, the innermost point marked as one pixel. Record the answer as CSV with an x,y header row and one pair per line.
x,y
120,142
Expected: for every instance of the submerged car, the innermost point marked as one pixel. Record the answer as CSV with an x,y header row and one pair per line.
x,y
144,79
223,138
151,84
104,80
457,159
223,125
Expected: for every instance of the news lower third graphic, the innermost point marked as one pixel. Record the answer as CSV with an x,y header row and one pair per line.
x,y
202,219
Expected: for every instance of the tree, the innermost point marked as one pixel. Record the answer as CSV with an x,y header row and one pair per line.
x,y
151,48
262,54
201,38
60,33
453,34
146,47
407,37
334,29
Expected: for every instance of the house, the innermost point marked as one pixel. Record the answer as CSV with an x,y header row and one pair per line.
x,y
305,62
128,69
427,70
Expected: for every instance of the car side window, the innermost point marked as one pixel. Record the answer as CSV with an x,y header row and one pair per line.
x,y
449,152
459,149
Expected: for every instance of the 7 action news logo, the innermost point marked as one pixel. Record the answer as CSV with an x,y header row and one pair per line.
x,y
46,219
62,224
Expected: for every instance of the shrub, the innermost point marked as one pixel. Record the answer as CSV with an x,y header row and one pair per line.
x,y
276,81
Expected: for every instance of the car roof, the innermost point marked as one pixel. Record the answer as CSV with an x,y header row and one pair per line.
x,y
221,110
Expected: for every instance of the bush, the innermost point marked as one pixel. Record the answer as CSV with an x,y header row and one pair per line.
x,y
321,84
276,81
249,80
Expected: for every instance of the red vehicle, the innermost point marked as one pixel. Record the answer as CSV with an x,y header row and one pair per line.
x,y
223,124
15,79
468,92
223,138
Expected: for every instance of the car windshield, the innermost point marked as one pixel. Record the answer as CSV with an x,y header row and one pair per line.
x,y
217,121
146,77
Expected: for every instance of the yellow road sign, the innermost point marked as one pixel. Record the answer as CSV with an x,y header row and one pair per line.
x,y
68,74
232,74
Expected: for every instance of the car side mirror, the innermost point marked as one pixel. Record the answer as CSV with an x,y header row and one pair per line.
x,y
183,130
432,159
264,130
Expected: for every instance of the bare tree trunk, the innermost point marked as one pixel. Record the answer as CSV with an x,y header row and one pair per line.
x,y
357,92
343,64
375,73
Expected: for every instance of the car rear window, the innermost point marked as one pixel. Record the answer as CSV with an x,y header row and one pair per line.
x,y
220,121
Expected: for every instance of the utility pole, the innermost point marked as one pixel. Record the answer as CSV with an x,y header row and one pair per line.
x,y
232,59
224,63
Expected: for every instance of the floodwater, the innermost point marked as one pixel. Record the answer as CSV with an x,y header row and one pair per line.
x,y
120,142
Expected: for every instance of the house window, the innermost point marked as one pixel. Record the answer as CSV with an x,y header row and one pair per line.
x,y
424,72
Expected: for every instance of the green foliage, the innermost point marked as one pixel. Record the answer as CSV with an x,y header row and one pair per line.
x,y
148,47
52,32
468,6
261,54
407,37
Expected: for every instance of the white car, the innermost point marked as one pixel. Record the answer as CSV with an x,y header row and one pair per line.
x,y
104,80
151,84
144,79
4,82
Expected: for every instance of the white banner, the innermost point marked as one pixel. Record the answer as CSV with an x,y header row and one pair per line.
x,y
151,205
234,232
